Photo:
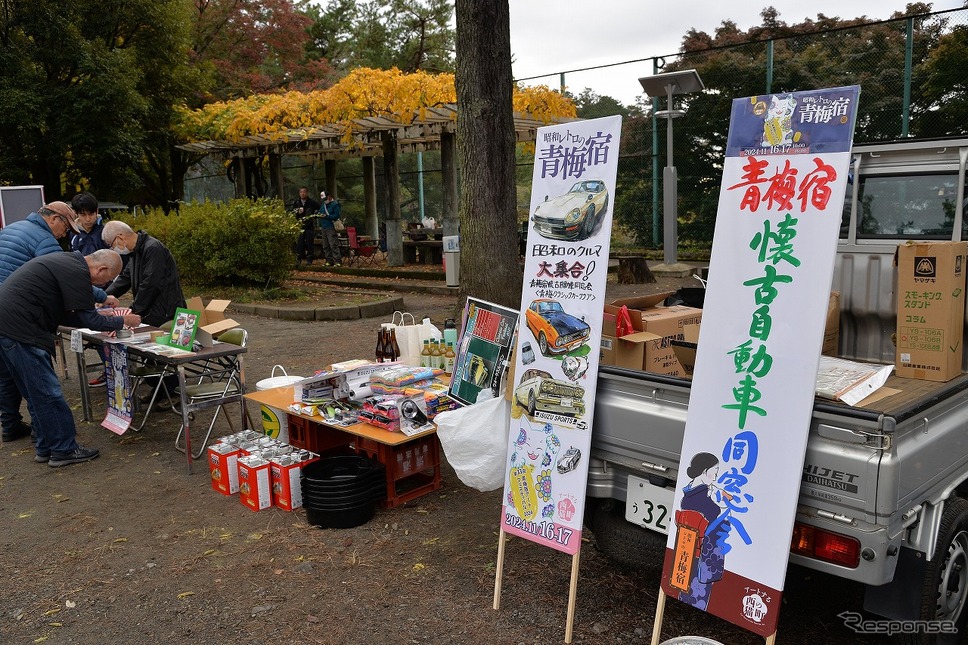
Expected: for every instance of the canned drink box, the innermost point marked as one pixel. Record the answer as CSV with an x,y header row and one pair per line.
x,y
255,491
223,465
285,472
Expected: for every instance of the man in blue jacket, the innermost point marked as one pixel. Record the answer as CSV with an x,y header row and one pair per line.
x,y
20,242
330,212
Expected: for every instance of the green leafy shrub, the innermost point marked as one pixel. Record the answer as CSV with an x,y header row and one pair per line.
x,y
240,242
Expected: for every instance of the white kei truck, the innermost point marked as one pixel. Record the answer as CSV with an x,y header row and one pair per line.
x,y
883,489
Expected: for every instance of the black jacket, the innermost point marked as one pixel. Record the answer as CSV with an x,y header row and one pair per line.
x,y
152,277
308,216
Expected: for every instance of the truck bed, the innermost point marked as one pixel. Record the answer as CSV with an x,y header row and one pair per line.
x,y
914,397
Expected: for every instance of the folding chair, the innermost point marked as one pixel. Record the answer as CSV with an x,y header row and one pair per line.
x,y
220,380
146,370
361,252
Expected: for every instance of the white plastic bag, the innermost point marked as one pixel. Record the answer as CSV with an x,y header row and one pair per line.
x,y
475,440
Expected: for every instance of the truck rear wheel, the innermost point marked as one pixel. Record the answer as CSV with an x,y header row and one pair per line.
x,y
945,591
621,541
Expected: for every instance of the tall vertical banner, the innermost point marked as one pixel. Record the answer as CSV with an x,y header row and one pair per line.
x,y
556,364
780,205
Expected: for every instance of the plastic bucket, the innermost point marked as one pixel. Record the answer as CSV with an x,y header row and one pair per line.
x,y
274,422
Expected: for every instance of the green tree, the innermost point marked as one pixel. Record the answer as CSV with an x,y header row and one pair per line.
x,y
83,84
733,63
410,35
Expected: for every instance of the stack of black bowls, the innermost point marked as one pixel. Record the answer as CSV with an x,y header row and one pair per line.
x,y
341,492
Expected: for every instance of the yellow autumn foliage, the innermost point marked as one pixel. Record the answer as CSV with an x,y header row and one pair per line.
x,y
364,92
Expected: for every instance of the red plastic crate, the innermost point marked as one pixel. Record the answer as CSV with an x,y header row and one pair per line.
x,y
315,437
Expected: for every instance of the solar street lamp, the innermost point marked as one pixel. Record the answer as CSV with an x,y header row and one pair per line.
x,y
669,84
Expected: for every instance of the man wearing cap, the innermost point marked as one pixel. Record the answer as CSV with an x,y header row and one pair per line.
x,y
20,242
45,292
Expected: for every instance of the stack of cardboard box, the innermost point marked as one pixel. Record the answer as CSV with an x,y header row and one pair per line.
x,y
649,346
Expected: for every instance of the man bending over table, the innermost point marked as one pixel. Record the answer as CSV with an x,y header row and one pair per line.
x,y
45,292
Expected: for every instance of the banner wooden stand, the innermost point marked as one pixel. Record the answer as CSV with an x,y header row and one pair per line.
x,y
572,587
660,611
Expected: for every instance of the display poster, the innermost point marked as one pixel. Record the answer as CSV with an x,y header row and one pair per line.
x,y
183,328
780,205
118,385
483,351
556,363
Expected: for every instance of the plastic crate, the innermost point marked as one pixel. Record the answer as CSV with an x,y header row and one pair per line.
x,y
315,437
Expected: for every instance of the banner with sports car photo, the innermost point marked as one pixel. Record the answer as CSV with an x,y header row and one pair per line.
x,y
556,363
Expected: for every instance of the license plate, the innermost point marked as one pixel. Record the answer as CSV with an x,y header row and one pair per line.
x,y
566,403
648,505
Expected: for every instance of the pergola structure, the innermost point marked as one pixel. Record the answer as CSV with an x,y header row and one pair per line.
x,y
432,128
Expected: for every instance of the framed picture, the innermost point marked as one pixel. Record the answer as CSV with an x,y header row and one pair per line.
x,y
183,328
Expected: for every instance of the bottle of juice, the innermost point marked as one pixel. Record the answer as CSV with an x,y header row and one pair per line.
x,y
425,355
435,355
449,357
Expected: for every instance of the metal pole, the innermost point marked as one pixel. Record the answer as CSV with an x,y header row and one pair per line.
x,y
420,192
655,163
561,82
908,55
769,66
670,240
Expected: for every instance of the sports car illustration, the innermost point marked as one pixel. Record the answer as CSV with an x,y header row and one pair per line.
x,y
555,330
574,215
568,461
537,390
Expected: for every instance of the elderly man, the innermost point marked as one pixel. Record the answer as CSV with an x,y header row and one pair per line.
x,y
19,242
150,274
46,292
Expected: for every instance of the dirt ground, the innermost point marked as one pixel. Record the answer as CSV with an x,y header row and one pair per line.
x,y
130,548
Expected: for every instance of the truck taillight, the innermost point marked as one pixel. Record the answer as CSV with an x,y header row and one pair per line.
x,y
824,545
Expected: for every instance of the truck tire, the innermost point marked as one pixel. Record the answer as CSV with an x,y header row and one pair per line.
x,y
621,541
944,595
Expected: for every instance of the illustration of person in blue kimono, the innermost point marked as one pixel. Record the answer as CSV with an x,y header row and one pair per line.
x,y
702,515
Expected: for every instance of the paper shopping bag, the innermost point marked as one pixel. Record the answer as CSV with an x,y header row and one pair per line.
x,y
408,337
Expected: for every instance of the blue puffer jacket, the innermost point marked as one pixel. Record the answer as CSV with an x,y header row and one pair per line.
x,y
27,239
23,241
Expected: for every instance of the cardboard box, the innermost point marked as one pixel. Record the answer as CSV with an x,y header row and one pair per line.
x,y
685,349
213,320
649,348
223,465
254,490
930,309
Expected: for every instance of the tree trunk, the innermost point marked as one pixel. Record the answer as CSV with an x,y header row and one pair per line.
x,y
489,266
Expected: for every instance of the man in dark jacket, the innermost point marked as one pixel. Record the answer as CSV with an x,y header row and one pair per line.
x,y
48,291
20,242
304,208
330,212
150,274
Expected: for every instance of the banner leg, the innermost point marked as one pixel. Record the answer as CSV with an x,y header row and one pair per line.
x,y
659,611
499,574
572,595
771,639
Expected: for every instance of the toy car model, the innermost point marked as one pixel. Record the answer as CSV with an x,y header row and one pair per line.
x,y
556,331
537,390
574,215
